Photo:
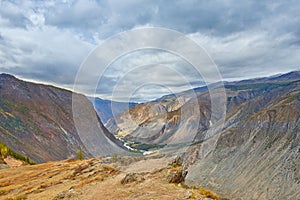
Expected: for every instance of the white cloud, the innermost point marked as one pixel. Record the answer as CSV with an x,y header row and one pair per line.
x,y
45,53
48,40
251,53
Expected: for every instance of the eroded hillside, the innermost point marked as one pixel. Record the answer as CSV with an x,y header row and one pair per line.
x,y
254,154
37,121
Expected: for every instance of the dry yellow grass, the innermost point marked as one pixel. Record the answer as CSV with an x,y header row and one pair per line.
x,y
91,179
208,194
45,181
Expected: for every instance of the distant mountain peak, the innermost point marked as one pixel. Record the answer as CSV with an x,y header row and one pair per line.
x,y
291,74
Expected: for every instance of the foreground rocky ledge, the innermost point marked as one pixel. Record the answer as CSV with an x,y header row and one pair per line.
x,y
103,178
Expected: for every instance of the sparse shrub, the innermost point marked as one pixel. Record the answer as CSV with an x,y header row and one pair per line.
x,y
21,197
6,151
115,158
208,194
2,192
79,155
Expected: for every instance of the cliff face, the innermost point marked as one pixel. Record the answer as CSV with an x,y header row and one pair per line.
x,y
256,158
255,155
162,122
37,120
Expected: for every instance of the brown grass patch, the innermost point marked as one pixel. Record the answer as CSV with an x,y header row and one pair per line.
x,y
4,184
208,194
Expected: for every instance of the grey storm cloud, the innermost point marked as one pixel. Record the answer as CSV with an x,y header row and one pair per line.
x,y
48,40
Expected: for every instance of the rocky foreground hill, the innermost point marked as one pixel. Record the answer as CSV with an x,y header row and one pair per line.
x,y
37,121
101,178
255,154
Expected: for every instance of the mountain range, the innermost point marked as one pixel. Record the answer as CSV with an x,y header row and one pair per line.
x,y
253,154
240,139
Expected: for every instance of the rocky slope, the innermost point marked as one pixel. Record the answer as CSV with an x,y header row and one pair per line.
x,y
162,122
100,178
257,156
254,154
37,121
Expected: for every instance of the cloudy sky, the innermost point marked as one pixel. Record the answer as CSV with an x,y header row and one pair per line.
x,y
47,41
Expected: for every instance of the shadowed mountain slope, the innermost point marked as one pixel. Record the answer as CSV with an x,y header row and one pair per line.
x,y
37,121
106,108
